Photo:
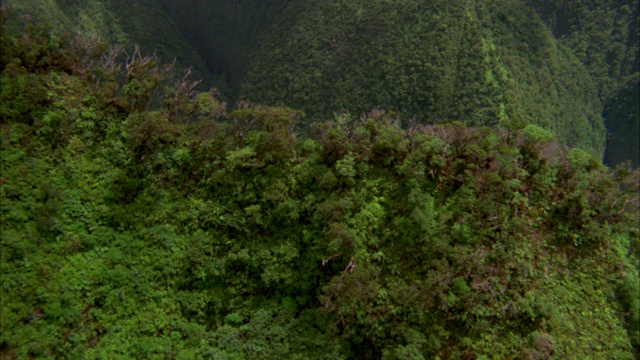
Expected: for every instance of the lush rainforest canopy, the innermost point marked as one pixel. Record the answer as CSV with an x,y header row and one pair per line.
x,y
371,180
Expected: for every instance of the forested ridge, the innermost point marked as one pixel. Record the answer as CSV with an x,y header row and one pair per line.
x,y
142,216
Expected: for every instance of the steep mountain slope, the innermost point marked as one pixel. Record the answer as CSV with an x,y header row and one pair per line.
x,y
491,63
623,122
602,35
499,63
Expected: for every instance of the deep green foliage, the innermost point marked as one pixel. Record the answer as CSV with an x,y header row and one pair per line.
x,y
225,32
140,219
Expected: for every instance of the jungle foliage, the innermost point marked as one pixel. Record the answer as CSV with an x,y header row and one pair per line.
x,y
143,219
225,33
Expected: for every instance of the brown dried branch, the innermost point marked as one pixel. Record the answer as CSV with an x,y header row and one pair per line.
x,y
138,61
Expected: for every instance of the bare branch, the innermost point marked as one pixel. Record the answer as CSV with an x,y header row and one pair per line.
x,y
324,261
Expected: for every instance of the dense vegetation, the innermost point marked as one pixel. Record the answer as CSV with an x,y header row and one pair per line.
x,y
487,63
225,33
143,219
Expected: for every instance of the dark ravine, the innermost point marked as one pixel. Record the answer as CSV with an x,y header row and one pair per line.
x,y
622,116
225,32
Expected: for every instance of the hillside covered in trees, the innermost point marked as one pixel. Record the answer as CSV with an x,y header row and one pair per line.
x,y
561,65
570,67
145,217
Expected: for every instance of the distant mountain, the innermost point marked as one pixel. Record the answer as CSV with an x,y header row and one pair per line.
x,y
490,63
